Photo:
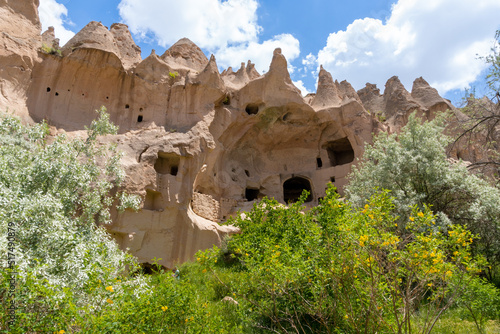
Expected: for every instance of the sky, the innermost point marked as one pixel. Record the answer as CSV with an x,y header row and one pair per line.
x,y
357,40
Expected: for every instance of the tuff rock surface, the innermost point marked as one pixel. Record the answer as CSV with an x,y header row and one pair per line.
x,y
199,144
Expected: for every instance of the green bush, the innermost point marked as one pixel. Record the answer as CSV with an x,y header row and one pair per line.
x,y
414,167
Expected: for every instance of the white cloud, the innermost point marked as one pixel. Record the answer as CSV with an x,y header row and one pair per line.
x,y
438,40
52,14
300,85
260,54
211,24
228,29
309,60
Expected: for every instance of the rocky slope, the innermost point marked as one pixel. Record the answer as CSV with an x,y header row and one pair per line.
x,y
199,144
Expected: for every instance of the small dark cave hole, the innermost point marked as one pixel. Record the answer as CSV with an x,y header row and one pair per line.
x,y
57,94
293,188
319,162
340,152
139,118
107,97
48,89
251,194
247,173
252,109
167,164
226,101
141,109
127,106
332,179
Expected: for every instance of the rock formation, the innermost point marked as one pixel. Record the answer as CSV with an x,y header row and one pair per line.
x,y
199,145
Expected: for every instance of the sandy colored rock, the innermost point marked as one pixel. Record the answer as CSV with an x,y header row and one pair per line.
x,y
198,145
20,41
49,39
185,54
130,53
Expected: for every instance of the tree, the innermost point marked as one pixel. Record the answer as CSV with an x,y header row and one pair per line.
x,y
414,167
55,194
479,125
336,268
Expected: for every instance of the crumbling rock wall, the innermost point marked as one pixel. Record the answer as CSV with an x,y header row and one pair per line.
x,y
200,145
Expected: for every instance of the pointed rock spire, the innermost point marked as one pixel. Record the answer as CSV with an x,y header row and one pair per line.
x,y
372,100
93,36
187,54
327,94
397,99
130,53
427,96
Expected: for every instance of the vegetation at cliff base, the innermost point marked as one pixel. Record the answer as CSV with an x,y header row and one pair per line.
x,y
371,263
412,248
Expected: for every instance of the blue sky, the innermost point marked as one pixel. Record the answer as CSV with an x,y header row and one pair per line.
x,y
359,40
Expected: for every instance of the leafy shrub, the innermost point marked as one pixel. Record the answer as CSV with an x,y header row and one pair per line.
x,y
414,167
53,197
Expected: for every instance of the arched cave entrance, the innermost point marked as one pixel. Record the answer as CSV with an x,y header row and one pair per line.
x,y
293,188
340,152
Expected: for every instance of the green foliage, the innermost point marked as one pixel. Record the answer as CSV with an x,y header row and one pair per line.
x,y
53,197
414,167
480,302
372,266
50,50
173,75
493,59
339,269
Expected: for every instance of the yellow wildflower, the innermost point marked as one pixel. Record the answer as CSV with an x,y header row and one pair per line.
x,y
412,219
420,214
164,308
430,284
109,288
109,301
204,271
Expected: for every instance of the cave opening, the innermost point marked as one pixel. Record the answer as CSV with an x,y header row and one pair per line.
x,y
153,200
339,151
319,162
251,194
167,163
139,118
252,109
293,188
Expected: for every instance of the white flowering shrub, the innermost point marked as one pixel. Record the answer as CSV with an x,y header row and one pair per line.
x,y
55,195
414,167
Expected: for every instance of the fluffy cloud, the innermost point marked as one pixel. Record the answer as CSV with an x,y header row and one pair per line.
x,y
52,14
300,85
260,54
438,40
227,29
211,24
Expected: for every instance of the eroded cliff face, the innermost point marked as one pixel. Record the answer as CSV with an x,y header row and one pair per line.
x,y
20,40
199,144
